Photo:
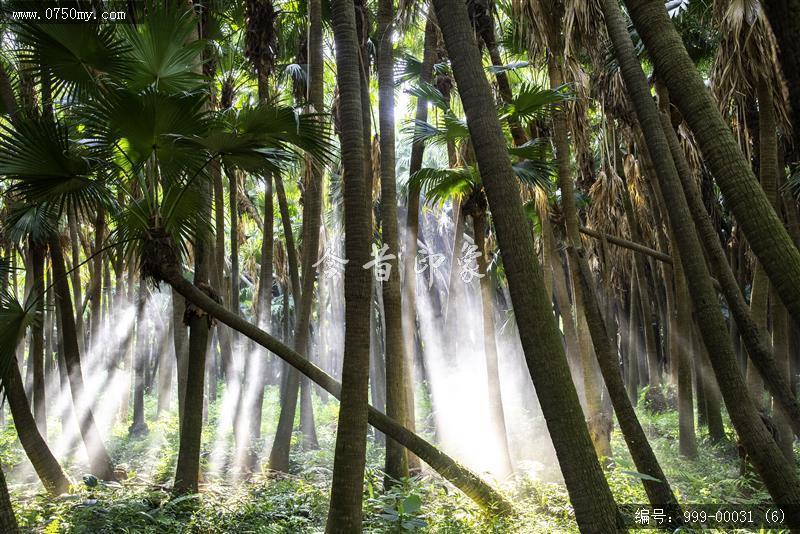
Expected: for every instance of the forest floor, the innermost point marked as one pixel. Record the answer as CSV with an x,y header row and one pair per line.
x,y
298,502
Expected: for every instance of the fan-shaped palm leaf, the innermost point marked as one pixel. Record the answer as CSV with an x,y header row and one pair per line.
x,y
44,164
165,52
80,58
532,102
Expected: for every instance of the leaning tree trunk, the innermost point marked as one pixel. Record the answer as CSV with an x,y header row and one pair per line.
x,y
44,463
99,459
595,509
754,337
593,408
761,225
778,475
461,477
658,491
397,375
8,521
351,433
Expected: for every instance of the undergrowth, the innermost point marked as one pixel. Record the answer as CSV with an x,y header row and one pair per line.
x,y
297,502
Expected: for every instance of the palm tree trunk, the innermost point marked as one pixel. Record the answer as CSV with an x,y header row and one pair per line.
x,y
279,455
351,434
409,286
753,211
8,521
180,340
312,213
99,459
397,375
218,274
496,412
595,509
687,441
76,276
472,485
139,427
648,315
36,353
754,336
187,470
44,463
778,475
263,314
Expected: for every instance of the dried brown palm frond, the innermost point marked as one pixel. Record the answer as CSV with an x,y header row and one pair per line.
x,y
608,88
747,55
606,214
538,21
583,23
637,189
577,110
280,263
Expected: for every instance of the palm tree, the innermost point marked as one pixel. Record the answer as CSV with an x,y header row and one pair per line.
x,y
595,508
351,433
764,231
397,375
778,476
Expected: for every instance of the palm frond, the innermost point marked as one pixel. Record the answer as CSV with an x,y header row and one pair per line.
x,y
165,52
439,185
14,320
45,165
430,93
80,59
534,102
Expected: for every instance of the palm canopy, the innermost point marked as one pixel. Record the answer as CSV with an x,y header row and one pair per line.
x,y
135,120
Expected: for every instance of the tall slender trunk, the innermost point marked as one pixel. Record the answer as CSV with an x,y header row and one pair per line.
x,y
761,226
312,213
187,470
139,427
279,455
659,493
218,274
778,475
687,441
36,353
96,294
257,373
397,374
496,411
351,434
99,458
409,287
595,509
76,277
180,340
